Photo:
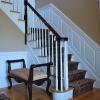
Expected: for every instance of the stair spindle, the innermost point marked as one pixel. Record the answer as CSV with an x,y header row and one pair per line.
x,y
56,64
66,85
33,34
47,37
51,48
44,42
38,38
13,5
59,74
17,5
61,71
41,41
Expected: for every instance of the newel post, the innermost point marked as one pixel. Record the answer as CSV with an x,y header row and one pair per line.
x,y
61,90
26,19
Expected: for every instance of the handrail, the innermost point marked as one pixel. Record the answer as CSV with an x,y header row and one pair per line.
x,y
45,22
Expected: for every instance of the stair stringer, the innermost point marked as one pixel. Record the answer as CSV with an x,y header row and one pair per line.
x,y
82,46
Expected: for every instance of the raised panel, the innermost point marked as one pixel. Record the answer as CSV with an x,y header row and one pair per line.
x,y
64,29
90,55
76,42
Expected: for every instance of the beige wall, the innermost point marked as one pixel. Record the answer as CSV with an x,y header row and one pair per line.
x,y
83,12
11,38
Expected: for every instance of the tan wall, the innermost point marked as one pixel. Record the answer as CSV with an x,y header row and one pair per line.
x,y
83,12
11,38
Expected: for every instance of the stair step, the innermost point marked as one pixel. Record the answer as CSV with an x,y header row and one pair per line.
x,y
21,19
81,86
7,2
14,11
76,75
43,56
36,48
72,65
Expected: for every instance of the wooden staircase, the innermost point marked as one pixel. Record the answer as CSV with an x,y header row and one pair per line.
x,y
77,78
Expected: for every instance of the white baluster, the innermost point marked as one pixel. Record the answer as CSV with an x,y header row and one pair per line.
x,y
61,70
56,67
52,49
65,65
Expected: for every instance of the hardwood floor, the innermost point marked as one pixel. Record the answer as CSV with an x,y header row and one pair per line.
x,y
19,92
93,94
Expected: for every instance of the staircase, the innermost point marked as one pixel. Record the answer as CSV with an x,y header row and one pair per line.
x,y
52,47
77,78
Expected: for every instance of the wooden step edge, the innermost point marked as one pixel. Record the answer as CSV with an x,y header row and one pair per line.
x,y
6,2
70,54
36,49
31,40
28,33
80,70
43,56
73,62
21,19
91,79
14,11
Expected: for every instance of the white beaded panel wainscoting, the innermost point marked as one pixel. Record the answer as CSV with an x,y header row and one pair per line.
x,y
80,45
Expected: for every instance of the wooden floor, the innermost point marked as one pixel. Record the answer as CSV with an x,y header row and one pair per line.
x,y
20,93
94,94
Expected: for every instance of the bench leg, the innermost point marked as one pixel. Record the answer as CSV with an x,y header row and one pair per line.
x,y
9,79
48,86
30,91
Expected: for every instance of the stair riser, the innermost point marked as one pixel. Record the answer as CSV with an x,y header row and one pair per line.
x,y
80,90
73,66
69,57
77,76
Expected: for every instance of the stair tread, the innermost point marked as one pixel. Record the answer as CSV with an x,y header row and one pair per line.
x,y
81,82
21,19
7,2
14,11
73,62
43,56
76,71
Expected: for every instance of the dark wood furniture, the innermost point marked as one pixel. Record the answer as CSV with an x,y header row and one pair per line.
x,y
29,76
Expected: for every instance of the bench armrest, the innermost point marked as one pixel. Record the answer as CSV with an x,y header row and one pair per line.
x,y
9,62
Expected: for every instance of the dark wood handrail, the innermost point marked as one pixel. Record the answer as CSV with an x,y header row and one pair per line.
x,y
45,22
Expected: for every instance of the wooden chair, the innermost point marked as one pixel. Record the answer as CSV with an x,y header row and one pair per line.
x,y
29,76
